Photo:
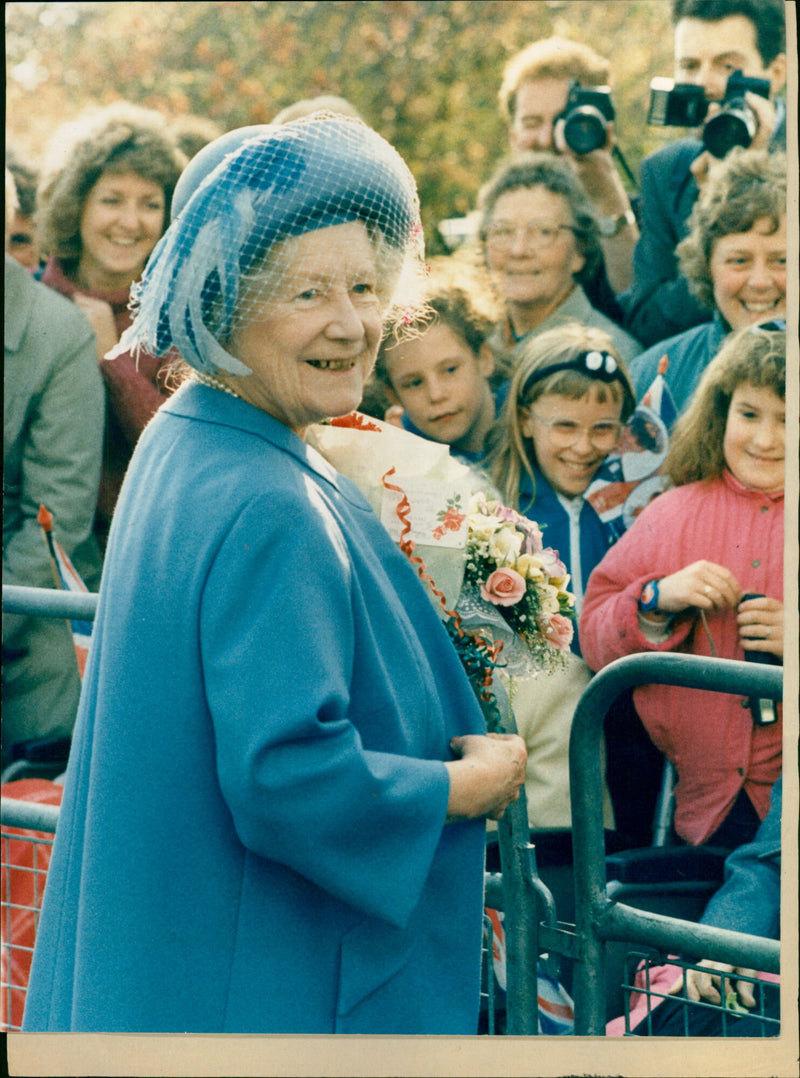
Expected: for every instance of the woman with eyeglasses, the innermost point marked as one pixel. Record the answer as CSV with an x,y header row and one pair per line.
x,y
734,260
567,401
540,241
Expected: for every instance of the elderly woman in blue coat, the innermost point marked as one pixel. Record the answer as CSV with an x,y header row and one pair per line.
x,y
275,805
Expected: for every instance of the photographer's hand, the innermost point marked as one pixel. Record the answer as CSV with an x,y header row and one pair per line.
x,y
602,182
767,116
700,166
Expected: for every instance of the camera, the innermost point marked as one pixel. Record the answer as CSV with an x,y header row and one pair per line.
x,y
676,104
683,104
586,117
735,124
762,710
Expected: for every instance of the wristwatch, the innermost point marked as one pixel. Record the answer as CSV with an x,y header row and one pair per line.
x,y
608,227
648,600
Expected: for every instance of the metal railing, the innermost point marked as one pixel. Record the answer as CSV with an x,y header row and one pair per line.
x,y
598,918
26,839
529,911
49,602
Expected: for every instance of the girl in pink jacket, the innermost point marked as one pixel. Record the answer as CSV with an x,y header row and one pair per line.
x,y
680,580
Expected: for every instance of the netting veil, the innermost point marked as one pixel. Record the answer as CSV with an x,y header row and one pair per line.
x,y
228,252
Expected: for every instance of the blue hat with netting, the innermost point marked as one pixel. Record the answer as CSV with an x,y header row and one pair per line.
x,y
214,263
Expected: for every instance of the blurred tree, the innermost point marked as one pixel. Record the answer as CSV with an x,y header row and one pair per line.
x,y
425,73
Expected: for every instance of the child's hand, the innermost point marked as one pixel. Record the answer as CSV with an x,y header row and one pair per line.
x,y
760,624
702,584
701,985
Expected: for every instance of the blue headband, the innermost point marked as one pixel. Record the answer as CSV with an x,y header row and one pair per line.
x,y
601,366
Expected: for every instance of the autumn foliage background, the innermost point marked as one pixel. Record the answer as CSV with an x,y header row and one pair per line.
x,y
424,73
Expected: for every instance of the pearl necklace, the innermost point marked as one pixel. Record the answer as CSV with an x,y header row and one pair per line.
x,y
211,380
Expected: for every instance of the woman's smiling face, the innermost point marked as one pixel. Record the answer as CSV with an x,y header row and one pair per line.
x,y
311,342
527,273
748,272
121,222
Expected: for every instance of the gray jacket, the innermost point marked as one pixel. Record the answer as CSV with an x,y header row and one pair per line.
x,y
53,416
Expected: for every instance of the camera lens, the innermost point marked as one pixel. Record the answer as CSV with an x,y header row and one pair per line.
x,y
585,129
735,125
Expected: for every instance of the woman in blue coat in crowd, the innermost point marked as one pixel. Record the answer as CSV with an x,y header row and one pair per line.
x,y
274,812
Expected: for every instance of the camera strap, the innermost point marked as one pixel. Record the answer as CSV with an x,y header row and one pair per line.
x,y
617,153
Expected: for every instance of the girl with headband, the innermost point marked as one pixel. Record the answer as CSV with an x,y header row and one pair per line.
x,y
566,404
275,804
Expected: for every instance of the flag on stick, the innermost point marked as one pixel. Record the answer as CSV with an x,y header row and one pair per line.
x,y
631,475
66,578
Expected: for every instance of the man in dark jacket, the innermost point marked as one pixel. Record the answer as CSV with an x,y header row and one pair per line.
x,y
713,38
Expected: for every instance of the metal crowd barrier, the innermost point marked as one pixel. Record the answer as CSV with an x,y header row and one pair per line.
x,y
598,918
26,839
529,911
49,603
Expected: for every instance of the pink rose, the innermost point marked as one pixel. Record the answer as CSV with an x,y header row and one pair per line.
x,y
560,631
504,587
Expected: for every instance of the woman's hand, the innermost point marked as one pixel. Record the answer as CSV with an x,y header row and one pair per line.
x,y
702,985
702,584
487,777
760,624
101,317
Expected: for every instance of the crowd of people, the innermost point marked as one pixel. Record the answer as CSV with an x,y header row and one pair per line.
x,y
182,304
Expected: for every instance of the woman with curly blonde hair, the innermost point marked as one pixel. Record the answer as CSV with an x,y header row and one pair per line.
x,y
701,571
103,204
734,260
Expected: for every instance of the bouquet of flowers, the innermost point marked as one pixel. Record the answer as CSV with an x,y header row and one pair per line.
x,y
500,592
514,610
516,584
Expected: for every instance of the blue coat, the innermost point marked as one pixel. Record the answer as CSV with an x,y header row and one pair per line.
x,y
659,303
689,354
253,837
594,537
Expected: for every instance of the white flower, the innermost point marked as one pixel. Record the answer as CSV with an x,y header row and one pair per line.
x,y
549,596
482,527
505,546
530,566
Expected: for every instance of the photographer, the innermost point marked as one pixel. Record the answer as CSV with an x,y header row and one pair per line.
x,y
535,96
713,39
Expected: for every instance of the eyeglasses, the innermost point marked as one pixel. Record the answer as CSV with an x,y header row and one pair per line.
x,y
536,234
563,433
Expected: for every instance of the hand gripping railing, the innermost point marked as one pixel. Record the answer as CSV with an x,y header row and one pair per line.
x,y
599,918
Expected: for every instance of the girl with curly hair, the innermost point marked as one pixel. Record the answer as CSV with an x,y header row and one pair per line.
x,y
701,571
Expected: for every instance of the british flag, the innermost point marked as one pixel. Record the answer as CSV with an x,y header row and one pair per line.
x,y
67,578
630,477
